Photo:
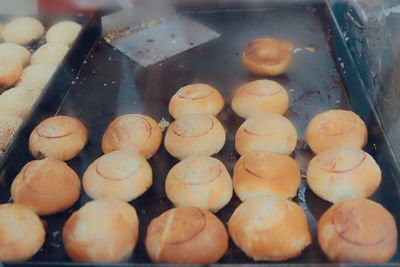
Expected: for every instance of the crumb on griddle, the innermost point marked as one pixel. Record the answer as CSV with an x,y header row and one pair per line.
x,y
111,36
310,48
163,124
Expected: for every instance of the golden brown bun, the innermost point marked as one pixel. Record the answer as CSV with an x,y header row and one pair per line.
x,y
133,132
343,173
37,75
336,128
359,231
266,132
199,181
195,135
60,137
103,231
63,32
260,96
121,175
268,56
259,174
10,71
46,186
9,125
23,30
16,51
195,99
22,233
52,53
269,228
186,236
18,100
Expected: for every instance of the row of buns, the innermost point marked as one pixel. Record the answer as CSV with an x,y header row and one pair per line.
x,y
265,228
23,74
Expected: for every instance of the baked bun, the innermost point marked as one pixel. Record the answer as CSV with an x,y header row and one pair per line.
x,y
46,186
266,132
270,229
186,236
359,231
121,175
10,71
16,51
18,101
134,132
267,56
104,231
52,53
258,174
195,99
199,181
260,96
60,137
9,125
63,32
195,135
336,128
23,30
343,173
22,233
37,75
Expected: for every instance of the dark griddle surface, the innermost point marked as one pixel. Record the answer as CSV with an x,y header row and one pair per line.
x,y
110,85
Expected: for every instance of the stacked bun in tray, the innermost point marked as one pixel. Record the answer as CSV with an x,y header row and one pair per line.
x,y
24,72
266,226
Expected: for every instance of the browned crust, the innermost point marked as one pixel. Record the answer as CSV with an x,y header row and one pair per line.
x,y
113,178
195,233
182,134
322,128
206,182
119,131
350,223
333,168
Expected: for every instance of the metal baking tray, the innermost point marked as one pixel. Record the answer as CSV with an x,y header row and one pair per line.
x,y
58,86
110,84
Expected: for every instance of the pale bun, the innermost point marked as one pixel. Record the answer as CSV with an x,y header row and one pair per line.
x,y
64,32
46,186
37,75
195,135
52,53
60,137
9,125
22,233
121,175
336,128
133,132
194,99
259,174
16,51
186,236
18,101
23,30
269,229
343,173
199,181
358,231
268,56
260,96
102,231
10,71
266,132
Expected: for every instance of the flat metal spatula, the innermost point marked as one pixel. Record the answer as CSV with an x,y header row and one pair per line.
x,y
149,35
